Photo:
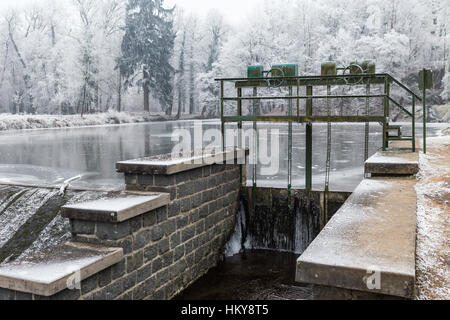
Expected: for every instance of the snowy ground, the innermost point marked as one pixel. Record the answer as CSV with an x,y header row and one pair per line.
x,y
433,223
22,121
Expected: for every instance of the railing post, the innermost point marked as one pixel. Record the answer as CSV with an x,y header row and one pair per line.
x,y
308,162
298,100
424,99
386,113
290,103
413,134
222,114
255,140
367,126
239,109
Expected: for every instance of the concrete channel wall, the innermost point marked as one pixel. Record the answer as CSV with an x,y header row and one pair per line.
x,y
166,249
276,221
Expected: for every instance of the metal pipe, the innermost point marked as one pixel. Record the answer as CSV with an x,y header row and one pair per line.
x,y
424,113
308,161
239,107
413,124
386,114
306,97
255,143
289,149
367,128
328,77
303,119
222,114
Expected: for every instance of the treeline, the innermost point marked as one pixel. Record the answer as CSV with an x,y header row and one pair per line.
x,y
87,56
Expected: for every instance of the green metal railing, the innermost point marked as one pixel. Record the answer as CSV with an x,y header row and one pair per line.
x,y
310,82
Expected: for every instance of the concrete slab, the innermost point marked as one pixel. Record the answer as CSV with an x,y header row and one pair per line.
x,y
393,163
53,271
168,165
373,234
117,209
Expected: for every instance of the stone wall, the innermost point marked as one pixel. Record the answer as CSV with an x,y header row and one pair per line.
x,y
168,249
164,250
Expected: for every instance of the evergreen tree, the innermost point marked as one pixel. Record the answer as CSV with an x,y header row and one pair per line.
x,y
147,46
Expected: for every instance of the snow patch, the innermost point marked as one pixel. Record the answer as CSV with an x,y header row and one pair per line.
x,y
20,121
433,277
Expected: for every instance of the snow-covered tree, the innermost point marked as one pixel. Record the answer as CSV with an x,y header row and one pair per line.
x,y
147,49
65,56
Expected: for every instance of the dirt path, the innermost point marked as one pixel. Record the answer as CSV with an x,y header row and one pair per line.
x,y
433,221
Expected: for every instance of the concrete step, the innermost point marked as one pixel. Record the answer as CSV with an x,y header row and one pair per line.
x,y
168,165
372,237
116,209
55,270
393,163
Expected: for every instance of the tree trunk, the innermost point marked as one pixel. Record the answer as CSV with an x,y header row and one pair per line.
x,y
119,96
192,89
97,99
5,63
169,110
84,100
26,77
146,91
180,103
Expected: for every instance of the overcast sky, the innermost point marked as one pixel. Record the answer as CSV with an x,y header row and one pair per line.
x,y
233,10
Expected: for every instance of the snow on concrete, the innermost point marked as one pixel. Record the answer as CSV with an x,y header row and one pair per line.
x,y
45,272
433,244
387,158
113,204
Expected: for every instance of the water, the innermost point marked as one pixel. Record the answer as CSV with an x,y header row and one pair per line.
x,y
49,157
30,219
253,275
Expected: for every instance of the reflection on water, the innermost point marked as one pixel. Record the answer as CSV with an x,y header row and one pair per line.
x,y
48,157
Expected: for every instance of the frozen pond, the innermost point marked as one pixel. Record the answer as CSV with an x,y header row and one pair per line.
x,y
51,156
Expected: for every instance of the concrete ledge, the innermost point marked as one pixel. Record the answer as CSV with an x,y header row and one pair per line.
x,y
375,231
51,272
393,163
168,165
334,293
117,209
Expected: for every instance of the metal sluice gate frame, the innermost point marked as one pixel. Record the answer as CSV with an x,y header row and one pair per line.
x,y
366,80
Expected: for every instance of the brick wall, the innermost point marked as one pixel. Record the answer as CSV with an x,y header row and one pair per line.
x,y
167,249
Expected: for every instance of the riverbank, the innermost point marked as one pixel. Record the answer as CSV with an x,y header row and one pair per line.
x,y
23,121
433,244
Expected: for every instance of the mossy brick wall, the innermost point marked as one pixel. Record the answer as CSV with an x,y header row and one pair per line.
x,y
167,249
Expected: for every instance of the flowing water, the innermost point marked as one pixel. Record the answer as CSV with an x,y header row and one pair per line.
x,y
30,219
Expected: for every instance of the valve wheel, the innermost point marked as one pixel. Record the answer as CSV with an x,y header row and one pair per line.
x,y
275,83
352,81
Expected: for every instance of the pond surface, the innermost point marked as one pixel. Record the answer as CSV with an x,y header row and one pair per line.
x,y
50,156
